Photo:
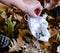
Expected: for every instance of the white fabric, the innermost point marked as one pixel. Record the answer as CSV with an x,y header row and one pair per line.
x,y
58,49
38,26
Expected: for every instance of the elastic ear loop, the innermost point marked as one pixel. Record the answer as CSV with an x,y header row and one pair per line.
x,y
26,17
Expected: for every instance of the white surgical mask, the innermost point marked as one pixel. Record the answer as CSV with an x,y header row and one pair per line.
x,y
38,27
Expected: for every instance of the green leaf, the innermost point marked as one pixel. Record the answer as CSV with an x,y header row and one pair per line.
x,y
28,38
11,24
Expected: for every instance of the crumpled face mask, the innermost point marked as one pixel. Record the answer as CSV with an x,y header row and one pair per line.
x,y
38,27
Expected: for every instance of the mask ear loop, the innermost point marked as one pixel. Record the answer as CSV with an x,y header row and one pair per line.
x,y
26,17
